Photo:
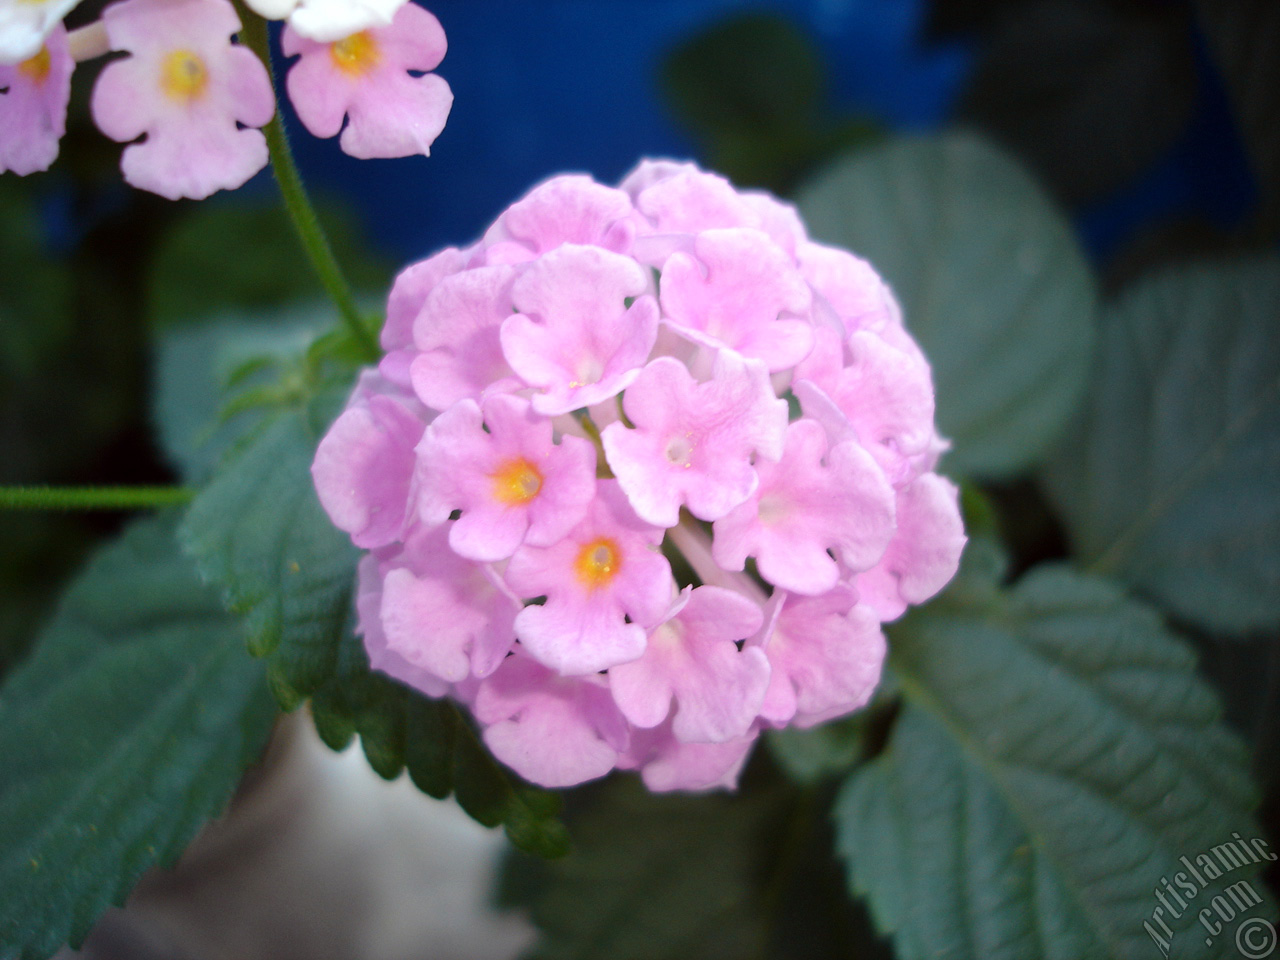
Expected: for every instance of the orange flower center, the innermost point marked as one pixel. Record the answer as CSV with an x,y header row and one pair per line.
x,y
598,563
356,54
183,76
516,482
38,67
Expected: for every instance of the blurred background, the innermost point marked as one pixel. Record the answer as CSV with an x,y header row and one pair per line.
x,y
1154,124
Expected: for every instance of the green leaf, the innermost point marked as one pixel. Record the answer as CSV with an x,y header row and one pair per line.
x,y
124,732
813,755
1169,480
197,364
944,861
654,876
992,282
259,532
1058,757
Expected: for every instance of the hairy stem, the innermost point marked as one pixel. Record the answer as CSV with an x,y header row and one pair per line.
x,y
91,498
301,213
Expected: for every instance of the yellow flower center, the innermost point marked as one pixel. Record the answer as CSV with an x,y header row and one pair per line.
x,y
38,67
356,54
183,76
598,563
516,482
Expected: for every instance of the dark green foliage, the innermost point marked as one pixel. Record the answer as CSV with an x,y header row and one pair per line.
x,y
1170,478
1057,759
258,531
127,729
653,877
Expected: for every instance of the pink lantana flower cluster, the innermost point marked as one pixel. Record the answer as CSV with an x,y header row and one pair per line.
x,y
188,99
641,474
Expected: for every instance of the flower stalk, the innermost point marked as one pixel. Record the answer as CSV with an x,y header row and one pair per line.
x,y
92,498
302,213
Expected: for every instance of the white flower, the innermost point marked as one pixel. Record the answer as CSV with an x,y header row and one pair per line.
x,y
24,25
324,20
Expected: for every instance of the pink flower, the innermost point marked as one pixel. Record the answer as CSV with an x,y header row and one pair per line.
x,y
604,584
364,465
667,763
443,614
369,592
692,442
553,730
457,353
543,555
366,78
502,470
885,395
575,337
188,89
693,659
925,551
735,295
817,497
33,108
825,654
570,209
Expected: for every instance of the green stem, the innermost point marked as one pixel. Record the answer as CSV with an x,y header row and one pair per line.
x,y
296,201
91,498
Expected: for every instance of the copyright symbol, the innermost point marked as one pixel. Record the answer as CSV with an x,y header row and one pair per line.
x,y
1255,939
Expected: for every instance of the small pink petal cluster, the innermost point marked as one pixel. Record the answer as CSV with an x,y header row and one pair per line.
x,y
587,424
188,99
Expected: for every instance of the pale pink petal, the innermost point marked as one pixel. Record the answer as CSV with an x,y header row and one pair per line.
x,y
364,465
690,201
552,730
924,553
860,298
369,584
741,292
693,443
604,573
189,90
649,171
568,209
457,334
575,338
410,291
813,500
500,468
666,763
886,394
693,659
366,78
442,613
826,655
33,108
